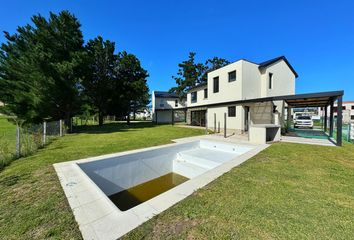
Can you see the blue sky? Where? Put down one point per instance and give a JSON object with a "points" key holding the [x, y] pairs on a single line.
{"points": [[317, 37]]}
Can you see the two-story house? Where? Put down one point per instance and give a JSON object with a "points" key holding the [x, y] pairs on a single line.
{"points": [[207, 103]]}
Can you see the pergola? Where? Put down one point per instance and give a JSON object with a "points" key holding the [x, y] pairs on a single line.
{"points": [[322, 99]]}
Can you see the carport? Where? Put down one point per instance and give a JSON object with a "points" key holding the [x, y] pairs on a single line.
{"points": [[323, 100]]}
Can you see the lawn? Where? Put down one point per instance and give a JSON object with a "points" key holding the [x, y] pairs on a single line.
{"points": [[288, 191], [33, 205], [7, 140]]}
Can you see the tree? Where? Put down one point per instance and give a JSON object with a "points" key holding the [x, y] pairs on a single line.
{"points": [[98, 83], [191, 73], [40, 68], [131, 80]]}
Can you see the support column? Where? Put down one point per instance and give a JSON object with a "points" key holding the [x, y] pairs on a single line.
{"points": [[224, 125], [339, 121], [155, 116], [206, 122], [331, 120], [288, 117], [325, 120], [173, 117]]}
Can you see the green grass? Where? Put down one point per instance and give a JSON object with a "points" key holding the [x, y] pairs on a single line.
{"points": [[7, 141], [32, 203], [288, 191]]}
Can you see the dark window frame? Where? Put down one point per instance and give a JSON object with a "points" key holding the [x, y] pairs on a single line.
{"points": [[176, 103], [231, 111], [229, 74], [216, 83], [194, 97], [205, 93], [270, 80]]}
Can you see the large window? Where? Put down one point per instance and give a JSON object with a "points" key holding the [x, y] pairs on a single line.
{"points": [[216, 84], [232, 111], [270, 84], [206, 93], [194, 97], [232, 76]]}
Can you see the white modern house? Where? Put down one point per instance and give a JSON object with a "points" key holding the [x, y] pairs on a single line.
{"points": [[348, 111], [240, 80], [242, 97]]}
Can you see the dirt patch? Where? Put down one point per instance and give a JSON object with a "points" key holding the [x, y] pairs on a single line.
{"points": [[173, 228]]}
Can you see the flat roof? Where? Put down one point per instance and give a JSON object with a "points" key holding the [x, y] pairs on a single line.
{"points": [[319, 99]]}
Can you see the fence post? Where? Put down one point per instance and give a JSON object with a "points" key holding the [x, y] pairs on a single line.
{"points": [[60, 128], [224, 125], [219, 127], [18, 141], [44, 132]]}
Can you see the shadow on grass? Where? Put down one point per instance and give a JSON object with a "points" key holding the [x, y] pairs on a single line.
{"points": [[113, 127]]}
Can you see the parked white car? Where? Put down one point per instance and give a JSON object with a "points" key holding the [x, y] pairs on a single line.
{"points": [[303, 122]]}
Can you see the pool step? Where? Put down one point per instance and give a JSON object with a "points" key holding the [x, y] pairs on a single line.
{"points": [[187, 169], [201, 162]]}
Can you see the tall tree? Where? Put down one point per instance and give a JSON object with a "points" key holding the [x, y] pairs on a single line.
{"points": [[131, 79], [40, 68], [191, 73], [98, 83]]}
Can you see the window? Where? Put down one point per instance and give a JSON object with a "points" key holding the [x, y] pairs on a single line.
{"points": [[344, 107], [270, 86], [353, 107], [206, 93], [216, 84], [232, 111], [176, 103], [352, 117], [162, 105], [232, 76], [194, 97]]}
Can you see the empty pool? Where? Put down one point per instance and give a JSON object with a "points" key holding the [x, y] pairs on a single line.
{"points": [[112, 194], [135, 178]]}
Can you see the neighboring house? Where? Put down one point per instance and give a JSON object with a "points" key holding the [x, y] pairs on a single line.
{"points": [[347, 109], [162, 105], [241, 80]]}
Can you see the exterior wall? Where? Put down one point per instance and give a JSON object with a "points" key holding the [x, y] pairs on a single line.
{"points": [[233, 124], [251, 81], [283, 80], [200, 97], [261, 113], [163, 116], [228, 91]]}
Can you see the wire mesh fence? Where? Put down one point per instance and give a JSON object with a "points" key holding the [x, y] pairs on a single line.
{"points": [[18, 140]]}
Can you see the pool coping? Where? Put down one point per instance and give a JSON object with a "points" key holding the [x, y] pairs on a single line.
{"points": [[99, 218]]}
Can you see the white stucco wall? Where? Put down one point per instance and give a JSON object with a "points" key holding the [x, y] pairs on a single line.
{"points": [[251, 81], [233, 124], [228, 91], [200, 97], [283, 80]]}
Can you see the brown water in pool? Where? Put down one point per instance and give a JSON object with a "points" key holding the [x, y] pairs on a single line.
{"points": [[132, 197]]}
